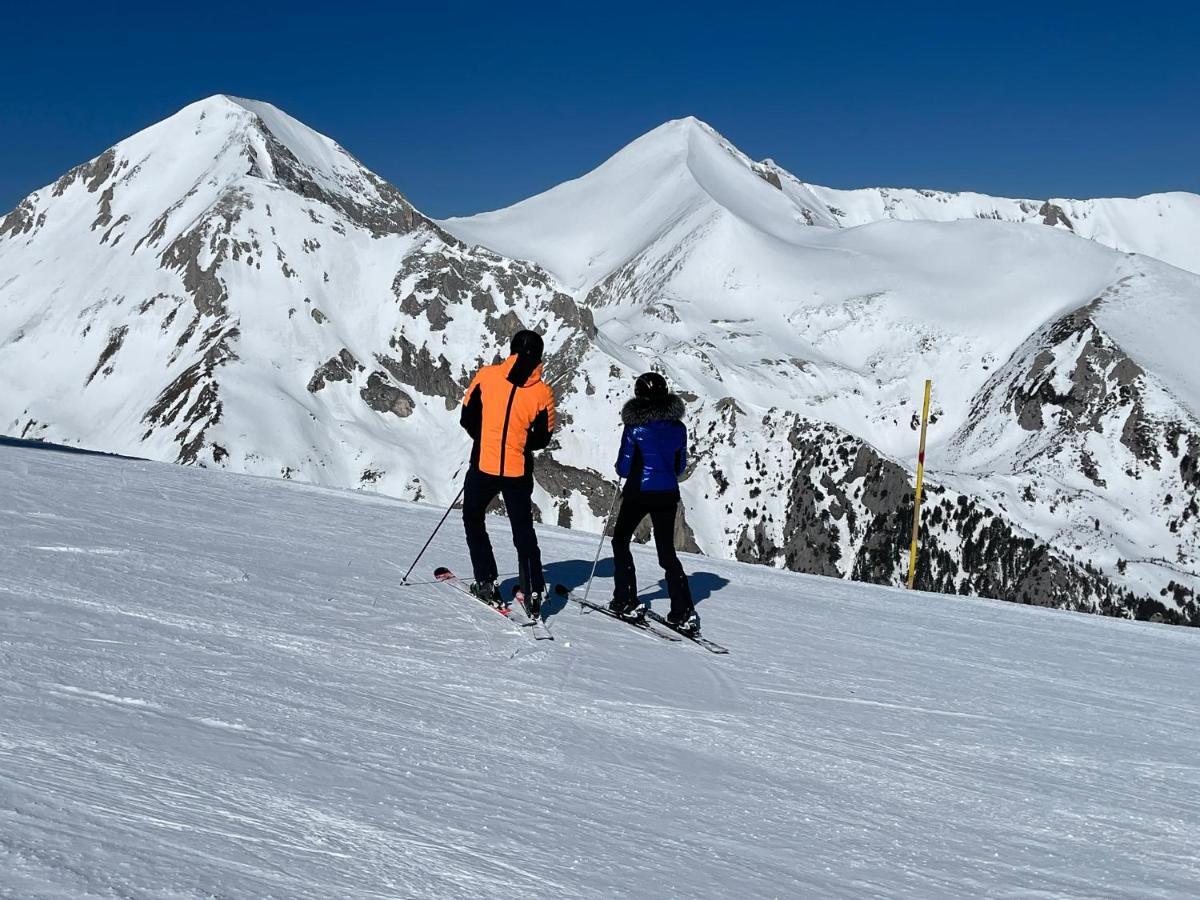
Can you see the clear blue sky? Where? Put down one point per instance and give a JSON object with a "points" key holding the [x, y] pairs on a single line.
{"points": [[468, 107]]}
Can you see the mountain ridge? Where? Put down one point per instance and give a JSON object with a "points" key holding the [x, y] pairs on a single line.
{"points": [[1105, 219]]}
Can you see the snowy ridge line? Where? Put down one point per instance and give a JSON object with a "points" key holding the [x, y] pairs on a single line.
{"points": [[1161, 225]]}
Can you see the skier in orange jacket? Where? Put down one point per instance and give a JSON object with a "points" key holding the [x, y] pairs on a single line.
{"points": [[509, 413]]}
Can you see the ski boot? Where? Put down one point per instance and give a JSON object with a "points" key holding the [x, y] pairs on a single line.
{"points": [[688, 623], [631, 609], [489, 593], [532, 604]]}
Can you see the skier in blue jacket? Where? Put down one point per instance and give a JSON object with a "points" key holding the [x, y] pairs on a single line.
{"points": [[653, 455]]}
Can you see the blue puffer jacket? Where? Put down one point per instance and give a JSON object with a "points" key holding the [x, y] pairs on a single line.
{"points": [[654, 446]]}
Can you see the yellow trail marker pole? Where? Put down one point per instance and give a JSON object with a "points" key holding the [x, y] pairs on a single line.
{"points": [[916, 528]]}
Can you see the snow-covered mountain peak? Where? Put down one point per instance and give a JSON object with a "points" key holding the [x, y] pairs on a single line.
{"points": [[260, 131], [586, 229], [215, 155], [675, 180], [678, 131], [790, 302], [683, 139], [323, 158]]}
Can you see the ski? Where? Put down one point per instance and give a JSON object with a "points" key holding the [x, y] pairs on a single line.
{"points": [[538, 627], [641, 625], [710, 646], [447, 577]]}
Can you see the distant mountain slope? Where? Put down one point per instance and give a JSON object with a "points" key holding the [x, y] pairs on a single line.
{"points": [[739, 280], [664, 174], [229, 288], [1165, 226]]}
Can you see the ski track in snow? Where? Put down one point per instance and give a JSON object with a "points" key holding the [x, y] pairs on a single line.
{"points": [[216, 687]]}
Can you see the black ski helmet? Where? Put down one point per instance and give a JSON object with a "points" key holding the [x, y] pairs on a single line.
{"points": [[650, 386], [527, 345]]}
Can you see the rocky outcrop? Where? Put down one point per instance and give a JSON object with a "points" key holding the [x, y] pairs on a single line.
{"points": [[115, 338], [1086, 408], [384, 397], [561, 482], [337, 368], [21, 220], [848, 514], [1052, 214], [212, 237], [417, 368], [192, 401], [1100, 378], [770, 176], [93, 174]]}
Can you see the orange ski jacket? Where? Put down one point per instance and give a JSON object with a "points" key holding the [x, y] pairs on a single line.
{"points": [[507, 421]]}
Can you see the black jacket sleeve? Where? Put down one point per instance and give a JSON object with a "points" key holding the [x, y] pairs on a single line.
{"points": [[471, 418], [539, 434]]}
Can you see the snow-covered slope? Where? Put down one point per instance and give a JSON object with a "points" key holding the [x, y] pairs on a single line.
{"points": [[584, 229], [658, 190], [1165, 226], [229, 288], [223, 691]]}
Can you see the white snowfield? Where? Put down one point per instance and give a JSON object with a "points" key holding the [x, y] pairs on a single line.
{"points": [[215, 686], [584, 229]]}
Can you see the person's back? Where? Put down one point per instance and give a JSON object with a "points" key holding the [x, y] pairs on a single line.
{"points": [[653, 455], [509, 413], [654, 446]]}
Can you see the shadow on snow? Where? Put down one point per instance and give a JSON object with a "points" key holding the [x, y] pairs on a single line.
{"points": [[26, 444], [573, 574]]}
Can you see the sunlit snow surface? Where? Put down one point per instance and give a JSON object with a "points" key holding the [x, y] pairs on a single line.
{"points": [[214, 686]]}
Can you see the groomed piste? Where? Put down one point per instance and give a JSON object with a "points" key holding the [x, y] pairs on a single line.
{"points": [[214, 685]]}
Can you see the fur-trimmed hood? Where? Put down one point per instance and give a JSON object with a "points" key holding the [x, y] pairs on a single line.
{"points": [[643, 410]]}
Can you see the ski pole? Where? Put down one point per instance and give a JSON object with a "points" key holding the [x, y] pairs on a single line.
{"points": [[445, 516], [603, 533]]}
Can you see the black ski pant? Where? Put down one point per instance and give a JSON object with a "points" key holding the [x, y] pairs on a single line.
{"points": [[481, 489], [660, 506]]}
